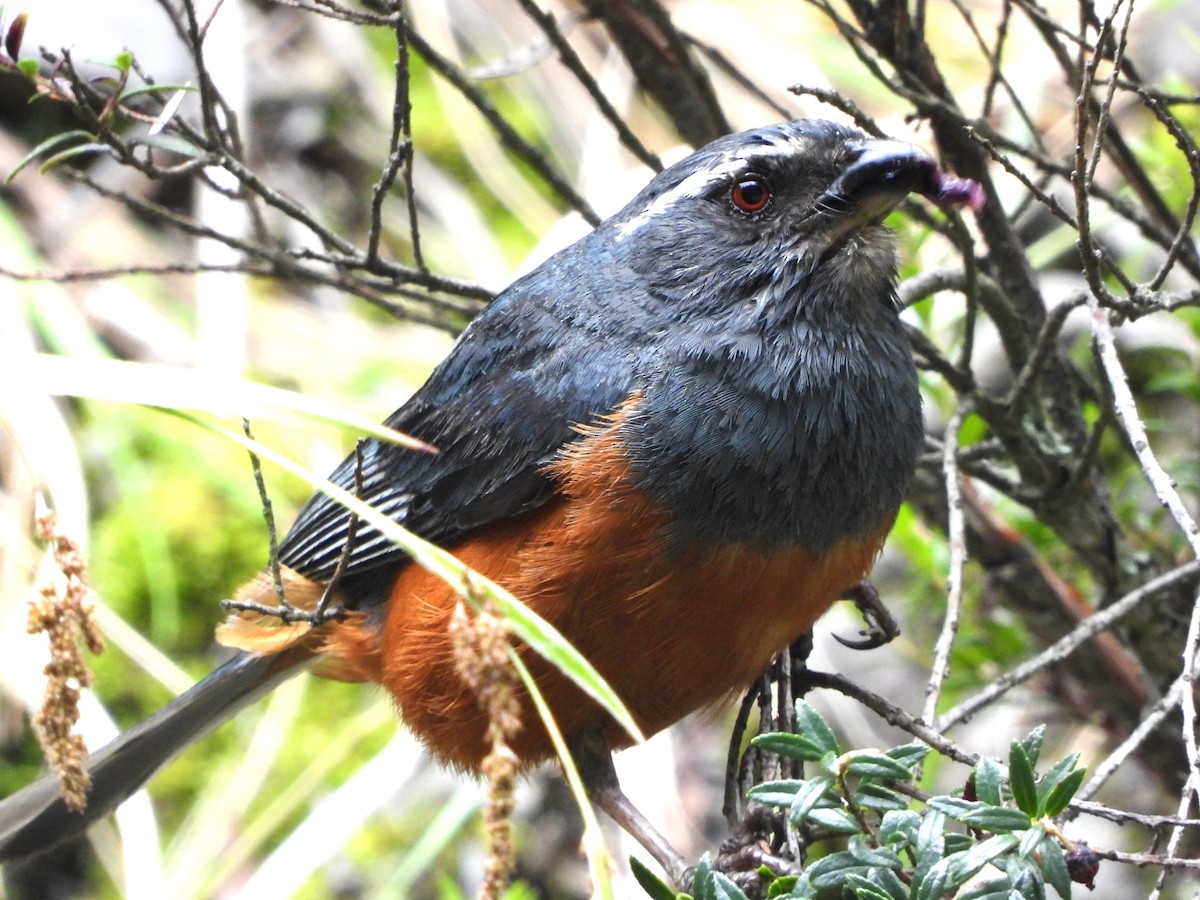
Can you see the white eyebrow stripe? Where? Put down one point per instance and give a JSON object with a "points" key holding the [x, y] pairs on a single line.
{"points": [[697, 183], [690, 188]]}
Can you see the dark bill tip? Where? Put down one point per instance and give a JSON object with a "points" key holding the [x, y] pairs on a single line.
{"points": [[894, 168]]}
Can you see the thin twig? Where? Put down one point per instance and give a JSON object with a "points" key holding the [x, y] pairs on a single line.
{"points": [[268, 513], [956, 535], [1065, 646]]}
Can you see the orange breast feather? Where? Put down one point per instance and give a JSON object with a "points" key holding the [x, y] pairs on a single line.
{"points": [[671, 631]]}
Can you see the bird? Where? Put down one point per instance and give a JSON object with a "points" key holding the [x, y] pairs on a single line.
{"points": [[679, 440]]}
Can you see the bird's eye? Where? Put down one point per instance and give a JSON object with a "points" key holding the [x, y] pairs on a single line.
{"points": [[750, 194]]}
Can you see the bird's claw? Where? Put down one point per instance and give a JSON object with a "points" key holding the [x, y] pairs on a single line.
{"points": [[882, 627]]}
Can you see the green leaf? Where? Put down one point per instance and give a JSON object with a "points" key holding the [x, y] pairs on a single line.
{"points": [[831, 871], [811, 725], [1032, 745], [931, 842], [1054, 777], [654, 886], [1026, 878], [785, 884], [890, 882], [723, 888], [877, 765], [1030, 840], [998, 819], [988, 778], [168, 142], [46, 146], [1059, 797], [835, 820], [808, 796], [865, 889], [793, 746], [936, 881], [155, 89], [791, 888], [909, 755], [861, 849], [879, 798], [123, 61], [985, 851], [70, 153], [958, 843], [996, 889], [898, 828], [702, 879], [28, 67], [955, 807], [1020, 779], [776, 793], [1053, 863]]}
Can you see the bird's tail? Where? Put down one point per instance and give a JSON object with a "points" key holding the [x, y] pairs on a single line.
{"points": [[36, 818]]}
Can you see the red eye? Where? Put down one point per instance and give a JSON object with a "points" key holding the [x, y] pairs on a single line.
{"points": [[751, 194]]}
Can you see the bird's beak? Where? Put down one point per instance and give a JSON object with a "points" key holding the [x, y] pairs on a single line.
{"points": [[884, 172], [881, 174]]}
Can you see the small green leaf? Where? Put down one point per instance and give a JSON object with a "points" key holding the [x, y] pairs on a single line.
{"points": [[879, 798], [931, 841], [935, 882], [654, 886], [28, 67], [702, 879], [955, 807], [793, 746], [831, 762], [865, 889], [988, 778], [1020, 780], [811, 725], [1032, 745], [831, 871], [909, 755], [1030, 840], [776, 793], [798, 889], [1026, 878], [155, 89], [1053, 863], [958, 843], [898, 828], [46, 146], [1052, 778], [877, 765], [782, 885], [861, 849], [808, 796], [996, 889], [723, 888], [1060, 795], [998, 819], [834, 819], [985, 851], [123, 61], [891, 883], [70, 153], [168, 142]]}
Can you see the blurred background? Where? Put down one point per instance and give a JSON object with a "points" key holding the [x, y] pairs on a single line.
{"points": [[274, 256]]}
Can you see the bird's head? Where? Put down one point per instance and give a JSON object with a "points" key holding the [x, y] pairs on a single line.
{"points": [[777, 208]]}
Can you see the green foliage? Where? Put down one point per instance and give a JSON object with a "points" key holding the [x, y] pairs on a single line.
{"points": [[889, 850]]}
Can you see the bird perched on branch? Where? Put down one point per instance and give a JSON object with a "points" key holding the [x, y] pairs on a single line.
{"points": [[679, 441]]}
